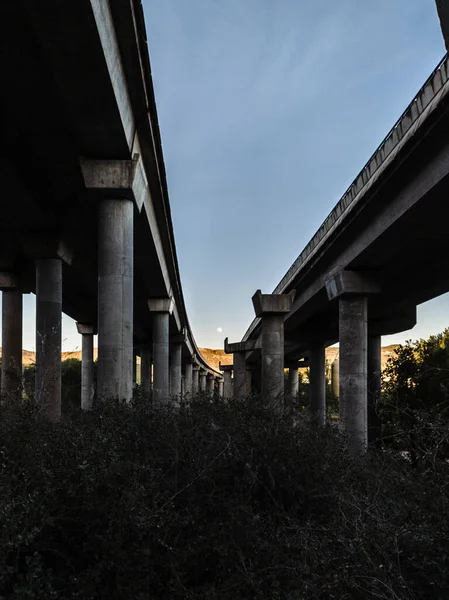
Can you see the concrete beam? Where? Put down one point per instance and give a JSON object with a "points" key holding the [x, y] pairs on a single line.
{"points": [[350, 282], [246, 346]]}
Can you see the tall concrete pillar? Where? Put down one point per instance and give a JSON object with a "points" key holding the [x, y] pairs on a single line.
{"points": [[115, 299], [291, 396], [227, 380], [353, 315], [87, 365], [318, 384], [195, 379], [220, 388], [202, 381], [12, 385], [175, 368], [374, 387], [48, 335], [161, 308], [134, 367], [240, 375], [210, 384], [335, 377], [145, 369], [272, 308], [188, 378]]}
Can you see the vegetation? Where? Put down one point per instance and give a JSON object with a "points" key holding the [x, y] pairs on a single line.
{"points": [[213, 500], [414, 408]]}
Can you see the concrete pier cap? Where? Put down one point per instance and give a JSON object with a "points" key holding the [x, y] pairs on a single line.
{"points": [[272, 303]]}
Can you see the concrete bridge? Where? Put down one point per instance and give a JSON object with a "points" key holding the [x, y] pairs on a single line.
{"points": [[85, 221], [381, 251]]}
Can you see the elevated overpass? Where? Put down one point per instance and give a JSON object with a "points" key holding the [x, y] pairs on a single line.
{"points": [[85, 220], [381, 251]]}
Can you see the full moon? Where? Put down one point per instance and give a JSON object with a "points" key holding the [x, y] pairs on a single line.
{"points": [[219, 329]]}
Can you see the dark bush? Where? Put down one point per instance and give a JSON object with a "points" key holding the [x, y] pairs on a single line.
{"points": [[212, 501]]}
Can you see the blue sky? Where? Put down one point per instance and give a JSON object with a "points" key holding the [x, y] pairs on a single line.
{"points": [[268, 110]]}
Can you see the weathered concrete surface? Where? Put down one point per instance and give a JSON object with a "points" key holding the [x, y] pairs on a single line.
{"points": [[145, 369], [353, 324], [227, 380], [87, 365], [175, 368], [210, 383], [202, 376], [272, 308], [115, 299], [188, 378], [220, 388], [48, 335], [161, 373], [195, 379], [12, 308], [374, 386], [240, 375], [335, 377], [318, 384], [291, 396]]}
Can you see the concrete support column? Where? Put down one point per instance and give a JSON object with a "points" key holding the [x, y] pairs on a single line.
{"points": [[227, 380], [272, 308], [335, 377], [240, 377], [115, 299], [318, 384], [353, 315], [145, 369], [175, 369], [210, 384], [12, 308], [374, 387], [202, 380], [48, 335], [134, 367], [195, 379], [87, 365], [220, 388], [293, 388], [188, 378], [161, 375]]}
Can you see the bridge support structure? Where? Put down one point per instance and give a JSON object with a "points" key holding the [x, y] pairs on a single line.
{"points": [[227, 380], [12, 329], [195, 379], [145, 369], [161, 308], [220, 387], [175, 368], [272, 308], [352, 290], [317, 406], [188, 378], [291, 394], [87, 364], [202, 380], [48, 335], [374, 369], [210, 384]]}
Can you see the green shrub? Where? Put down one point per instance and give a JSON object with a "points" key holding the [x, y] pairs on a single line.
{"points": [[212, 501]]}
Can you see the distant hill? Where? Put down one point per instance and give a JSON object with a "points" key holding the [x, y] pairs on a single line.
{"points": [[214, 357], [211, 356]]}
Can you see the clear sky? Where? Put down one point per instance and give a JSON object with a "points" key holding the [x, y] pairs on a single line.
{"points": [[268, 110]]}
